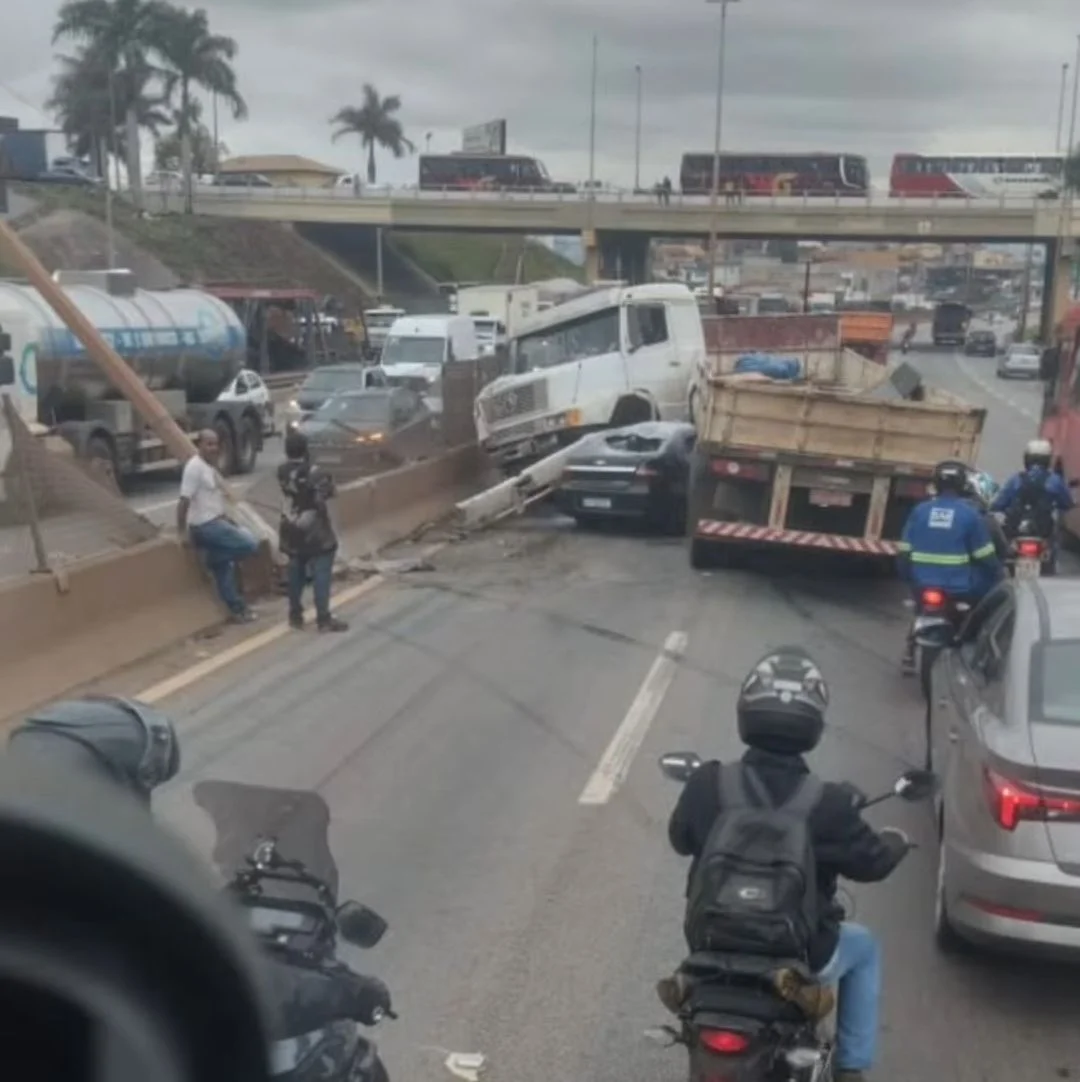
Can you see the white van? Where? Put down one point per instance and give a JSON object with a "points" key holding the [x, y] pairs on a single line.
{"points": [[421, 345], [605, 358]]}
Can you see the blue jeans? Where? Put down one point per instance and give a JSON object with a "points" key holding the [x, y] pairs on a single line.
{"points": [[321, 568], [856, 968], [224, 545]]}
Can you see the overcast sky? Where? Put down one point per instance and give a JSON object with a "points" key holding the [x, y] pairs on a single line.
{"points": [[869, 76]]}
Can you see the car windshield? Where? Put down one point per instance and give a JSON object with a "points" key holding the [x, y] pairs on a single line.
{"points": [[355, 407], [1025, 349], [417, 350], [1059, 663], [331, 381]]}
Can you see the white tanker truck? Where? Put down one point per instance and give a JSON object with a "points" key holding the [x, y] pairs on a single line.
{"points": [[186, 345]]}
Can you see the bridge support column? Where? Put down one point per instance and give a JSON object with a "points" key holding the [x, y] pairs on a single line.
{"points": [[591, 244], [616, 255], [1061, 260]]}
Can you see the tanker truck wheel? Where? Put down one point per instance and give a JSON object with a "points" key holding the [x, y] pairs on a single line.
{"points": [[101, 462], [226, 448]]}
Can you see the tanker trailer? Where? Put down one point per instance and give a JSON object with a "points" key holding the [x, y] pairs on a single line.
{"points": [[186, 345]]}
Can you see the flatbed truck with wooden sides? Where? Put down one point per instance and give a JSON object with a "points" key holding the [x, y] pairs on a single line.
{"points": [[832, 460]]}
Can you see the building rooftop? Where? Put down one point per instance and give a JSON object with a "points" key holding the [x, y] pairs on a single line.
{"points": [[278, 163]]}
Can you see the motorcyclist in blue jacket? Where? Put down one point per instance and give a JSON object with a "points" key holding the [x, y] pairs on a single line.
{"points": [[946, 543], [1036, 491]]}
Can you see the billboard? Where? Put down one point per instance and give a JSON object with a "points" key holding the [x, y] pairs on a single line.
{"points": [[489, 138]]}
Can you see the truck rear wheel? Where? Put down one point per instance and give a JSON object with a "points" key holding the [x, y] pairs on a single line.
{"points": [[226, 448], [703, 554], [247, 450], [100, 458]]}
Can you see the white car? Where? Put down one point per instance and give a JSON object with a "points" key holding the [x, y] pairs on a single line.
{"points": [[248, 386], [1022, 360]]}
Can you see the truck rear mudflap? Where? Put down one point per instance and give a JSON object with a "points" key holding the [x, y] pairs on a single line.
{"points": [[711, 529]]}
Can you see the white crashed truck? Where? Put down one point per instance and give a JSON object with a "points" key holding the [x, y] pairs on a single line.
{"points": [[832, 459]]}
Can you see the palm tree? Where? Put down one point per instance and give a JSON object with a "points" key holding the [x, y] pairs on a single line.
{"points": [[194, 57], [124, 34], [89, 105], [374, 122], [205, 157]]}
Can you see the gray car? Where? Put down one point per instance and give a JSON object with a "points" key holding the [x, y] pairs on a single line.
{"points": [[1005, 738], [1022, 360]]}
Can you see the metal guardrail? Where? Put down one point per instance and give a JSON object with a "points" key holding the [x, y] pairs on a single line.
{"points": [[727, 203]]}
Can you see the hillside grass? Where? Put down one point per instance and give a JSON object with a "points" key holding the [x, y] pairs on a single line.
{"points": [[205, 250], [483, 257]]}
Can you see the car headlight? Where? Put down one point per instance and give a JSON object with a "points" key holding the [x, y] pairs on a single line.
{"points": [[294, 405]]}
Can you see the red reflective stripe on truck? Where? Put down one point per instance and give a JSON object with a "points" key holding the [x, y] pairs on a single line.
{"points": [[742, 531]]}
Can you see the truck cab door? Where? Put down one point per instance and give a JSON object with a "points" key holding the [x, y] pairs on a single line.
{"points": [[653, 363]]}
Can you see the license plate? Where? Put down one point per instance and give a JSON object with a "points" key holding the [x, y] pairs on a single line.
{"points": [[1027, 569], [596, 503], [828, 497]]}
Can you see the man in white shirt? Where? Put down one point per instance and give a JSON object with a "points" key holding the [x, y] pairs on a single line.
{"points": [[201, 516]]}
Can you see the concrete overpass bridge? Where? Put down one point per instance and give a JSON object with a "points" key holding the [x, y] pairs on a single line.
{"points": [[617, 228]]}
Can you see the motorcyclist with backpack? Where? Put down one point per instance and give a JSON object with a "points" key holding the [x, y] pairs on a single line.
{"points": [[134, 746], [1036, 492], [722, 809]]}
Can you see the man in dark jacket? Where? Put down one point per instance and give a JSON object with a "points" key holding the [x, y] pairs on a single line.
{"points": [[781, 711], [306, 534]]}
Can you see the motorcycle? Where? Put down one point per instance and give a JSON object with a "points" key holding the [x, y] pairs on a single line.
{"points": [[273, 849], [732, 1022], [938, 617], [1030, 555]]}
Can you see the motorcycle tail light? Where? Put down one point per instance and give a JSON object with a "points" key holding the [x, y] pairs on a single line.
{"points": [[1029, 549], [724, 1042], [933, 599]]}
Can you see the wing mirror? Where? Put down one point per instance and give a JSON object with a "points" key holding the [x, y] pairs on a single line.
{"points": [[359, 925], [679, 765], [916, 785]]}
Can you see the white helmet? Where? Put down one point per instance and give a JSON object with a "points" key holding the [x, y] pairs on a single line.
{"points": [[1038, 453]]}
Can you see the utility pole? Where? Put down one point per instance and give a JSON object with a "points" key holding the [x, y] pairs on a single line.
{"points": [[718, 134], [637, 133], [592, 117]]}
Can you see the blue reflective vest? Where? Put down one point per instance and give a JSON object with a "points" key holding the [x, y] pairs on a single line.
{"points": [[946, 544]]}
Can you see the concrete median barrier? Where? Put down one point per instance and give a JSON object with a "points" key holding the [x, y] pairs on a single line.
{"points": [[61, 631], [100, 614]]}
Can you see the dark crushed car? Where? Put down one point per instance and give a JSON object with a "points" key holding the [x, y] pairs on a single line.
{"points": [[322, 383], [981, 344], [639, 472]]}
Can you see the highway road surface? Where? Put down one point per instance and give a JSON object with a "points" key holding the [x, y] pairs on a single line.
{"points": [[487, 734]]}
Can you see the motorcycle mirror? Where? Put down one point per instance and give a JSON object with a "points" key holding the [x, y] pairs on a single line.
{"points": [[915, 785], [679, 765], [665, 1036], [359, 925]]}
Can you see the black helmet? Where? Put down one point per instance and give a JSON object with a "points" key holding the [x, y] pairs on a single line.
{"points": [[782, 703], [119, 740], [1038, 453], [950, 476]]}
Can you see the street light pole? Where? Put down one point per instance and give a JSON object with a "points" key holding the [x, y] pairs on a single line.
{"points": [[592, 117], [1061, 107], [637, 133], [715, 195]]}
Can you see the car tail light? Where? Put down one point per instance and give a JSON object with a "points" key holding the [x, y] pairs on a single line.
{"points": [[724, 1042], [744, 471], [1012, 803], [647, 470], [1030, 550], [932, 599]]}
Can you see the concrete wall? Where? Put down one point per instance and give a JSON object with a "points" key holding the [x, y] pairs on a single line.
{"points": [[105, 613]]}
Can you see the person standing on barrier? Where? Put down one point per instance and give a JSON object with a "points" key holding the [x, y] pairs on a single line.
{"points": [[306, 534], [201, 519]]}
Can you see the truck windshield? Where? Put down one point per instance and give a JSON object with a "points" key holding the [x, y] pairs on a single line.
{"points": [[414, 351], [588, 336]]}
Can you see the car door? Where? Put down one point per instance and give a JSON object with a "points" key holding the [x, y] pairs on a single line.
{"points": [[977, 700], [652, 361]]}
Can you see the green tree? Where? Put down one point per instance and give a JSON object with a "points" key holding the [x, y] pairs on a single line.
{"points": [[90, 106], [124, 34], [205, 156], [195, 58], [375, 124]]}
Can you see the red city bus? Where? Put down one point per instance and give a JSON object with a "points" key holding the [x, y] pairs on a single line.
{"points": [[977, 176], [1061, 403], [777, 174]]}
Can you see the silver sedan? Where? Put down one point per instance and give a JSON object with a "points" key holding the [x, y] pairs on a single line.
{"points": [[1005, 739]]}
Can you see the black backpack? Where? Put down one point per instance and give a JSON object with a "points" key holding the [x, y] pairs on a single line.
{"points": [[1033, 504], [754, 890]]}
